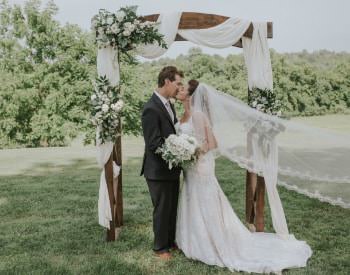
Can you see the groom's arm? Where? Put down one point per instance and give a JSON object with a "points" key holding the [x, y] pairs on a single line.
{"points": [[151, 131]]}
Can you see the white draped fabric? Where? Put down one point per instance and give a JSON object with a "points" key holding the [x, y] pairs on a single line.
{"points": [[221, 36], [107, 65], [168, 26], [257, 58]]}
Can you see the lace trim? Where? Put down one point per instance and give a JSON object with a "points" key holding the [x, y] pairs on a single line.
{"points": [[316, 195], [307, 175], [243, 163]]}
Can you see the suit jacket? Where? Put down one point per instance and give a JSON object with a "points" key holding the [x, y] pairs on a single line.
{"points": [[157, 126]]}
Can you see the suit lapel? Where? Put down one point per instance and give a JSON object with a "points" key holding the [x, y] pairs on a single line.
{"points": [[161, 106]]}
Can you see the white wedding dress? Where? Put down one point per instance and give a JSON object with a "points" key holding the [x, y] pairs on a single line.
{"points": [[208, 229]]}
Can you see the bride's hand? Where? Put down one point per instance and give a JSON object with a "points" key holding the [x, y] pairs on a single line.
{"points": [[204, 148]]}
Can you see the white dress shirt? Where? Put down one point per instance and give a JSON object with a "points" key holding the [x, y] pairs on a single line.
{"points": [[166, 103]]}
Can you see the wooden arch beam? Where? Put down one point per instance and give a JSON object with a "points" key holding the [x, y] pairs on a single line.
{"points": [[196, 20]]}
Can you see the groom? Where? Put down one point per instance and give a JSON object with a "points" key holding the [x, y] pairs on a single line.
{"points": [[158, 120]]}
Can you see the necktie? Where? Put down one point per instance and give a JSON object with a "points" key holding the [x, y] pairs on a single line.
{"points": [[167, 106]]}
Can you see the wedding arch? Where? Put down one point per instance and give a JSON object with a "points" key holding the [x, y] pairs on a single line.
{"points": [[209, 30]]}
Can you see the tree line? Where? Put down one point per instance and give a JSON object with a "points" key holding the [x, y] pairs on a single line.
{"points": [[47, 69]]}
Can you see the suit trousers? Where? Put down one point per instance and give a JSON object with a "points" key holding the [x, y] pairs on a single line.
{"points": [[164, 195]]}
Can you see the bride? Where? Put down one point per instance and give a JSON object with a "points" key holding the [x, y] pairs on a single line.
{"points": [[208, 229]]}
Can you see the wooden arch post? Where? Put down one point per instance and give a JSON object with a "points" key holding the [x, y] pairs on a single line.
{"points": [[255, 185]]}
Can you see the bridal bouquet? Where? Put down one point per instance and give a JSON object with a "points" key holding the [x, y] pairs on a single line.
{"points": [[179, 150]]}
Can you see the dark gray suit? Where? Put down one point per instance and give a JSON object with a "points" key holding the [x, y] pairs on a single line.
{"points": [[163, 183]]}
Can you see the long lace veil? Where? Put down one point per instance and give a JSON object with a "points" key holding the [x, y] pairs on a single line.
{"points": [[309, 160]]}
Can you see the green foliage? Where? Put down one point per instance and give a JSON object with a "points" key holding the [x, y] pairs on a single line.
{"points": [[46, 71]]}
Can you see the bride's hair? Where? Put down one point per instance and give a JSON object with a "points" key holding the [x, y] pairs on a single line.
{"points": [[192, 86]]}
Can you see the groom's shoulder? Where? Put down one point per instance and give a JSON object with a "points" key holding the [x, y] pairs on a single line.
{"points": [[149, 104]]}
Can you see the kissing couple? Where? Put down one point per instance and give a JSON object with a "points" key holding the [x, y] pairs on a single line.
{"points": [[198, 219]]}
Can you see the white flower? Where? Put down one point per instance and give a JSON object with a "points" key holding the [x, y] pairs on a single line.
{"points": [[120, 15], [254, 103], [93, 97], [118, 106], [279, 113], [93, 24], [100, 30], [260, 107], [98, 115], [110, 20], [105, 108], [115, 28], [126, 33], [120, 103], [131, 27]]}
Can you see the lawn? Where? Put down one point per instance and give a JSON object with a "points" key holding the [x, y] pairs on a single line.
{"points": [[48, 219]]}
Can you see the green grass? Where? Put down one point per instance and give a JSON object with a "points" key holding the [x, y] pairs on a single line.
{"points": [[48, 215], [48, 225]]}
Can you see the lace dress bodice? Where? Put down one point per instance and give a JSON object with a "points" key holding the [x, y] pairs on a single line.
{"points": [[205, 164]]}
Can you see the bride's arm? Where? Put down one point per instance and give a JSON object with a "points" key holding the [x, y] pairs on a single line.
{"points": [[204, 132], [210, 142]]}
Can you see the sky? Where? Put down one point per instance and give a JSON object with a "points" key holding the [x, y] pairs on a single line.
{"points": [[297, 24]]}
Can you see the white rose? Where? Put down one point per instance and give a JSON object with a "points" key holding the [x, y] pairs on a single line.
{"points": [[260, 107], [131, 27], [110, 20], [98, 115], [126, 33], [115, 28], [100, 30], [120, 104], [93, 24], [105, 108], [120, 15]]}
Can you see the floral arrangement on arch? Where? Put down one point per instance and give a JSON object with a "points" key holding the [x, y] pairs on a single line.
{"points": [[265, 100], [124, 31], [107, 107]]}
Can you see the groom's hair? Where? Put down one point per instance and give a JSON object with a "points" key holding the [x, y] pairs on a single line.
{"points": [[168, 72]]}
